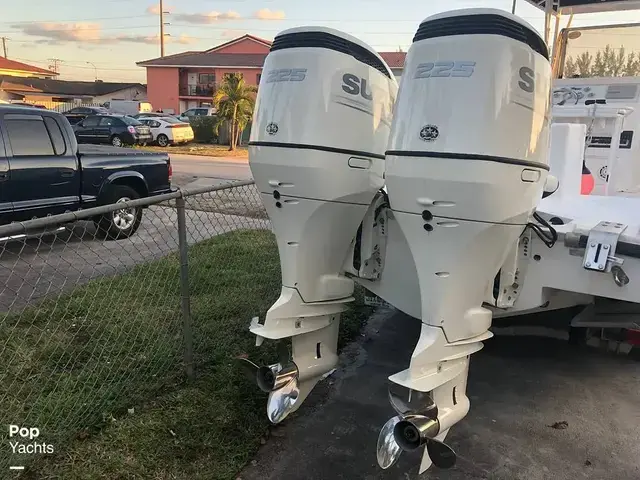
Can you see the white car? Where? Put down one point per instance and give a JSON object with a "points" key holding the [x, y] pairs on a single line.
{"points": [[168, 130]]}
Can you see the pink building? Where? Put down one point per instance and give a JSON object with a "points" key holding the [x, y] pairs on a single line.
{"points": [[186, 80]]}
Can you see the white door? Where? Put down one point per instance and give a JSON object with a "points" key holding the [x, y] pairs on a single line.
{"points": [[192, 78]]}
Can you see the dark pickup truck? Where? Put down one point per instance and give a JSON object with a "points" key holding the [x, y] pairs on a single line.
{"points": [[42, 173]]}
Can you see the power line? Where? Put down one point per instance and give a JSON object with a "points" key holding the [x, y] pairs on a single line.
{"points": [[69, 64], [55, 67], [88, 29], [27, 22]]}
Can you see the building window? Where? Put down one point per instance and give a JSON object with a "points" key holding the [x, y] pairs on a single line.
{"points": [[207, 78]]}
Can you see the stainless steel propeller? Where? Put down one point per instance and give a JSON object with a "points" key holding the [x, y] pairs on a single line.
{"points": [[279, 380], [416, 425]]}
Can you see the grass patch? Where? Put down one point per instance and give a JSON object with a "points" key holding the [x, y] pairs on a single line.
{"points": [[207, 150], [106, 387]]}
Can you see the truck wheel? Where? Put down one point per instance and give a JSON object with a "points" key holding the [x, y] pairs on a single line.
{"points": [[120, 223], [116, 141], [163, 140]]}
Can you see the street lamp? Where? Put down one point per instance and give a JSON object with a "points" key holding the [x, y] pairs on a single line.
{"points": [[95, 70]]}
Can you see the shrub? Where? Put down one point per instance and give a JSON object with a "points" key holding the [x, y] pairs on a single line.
{"points": [[203, 129]]}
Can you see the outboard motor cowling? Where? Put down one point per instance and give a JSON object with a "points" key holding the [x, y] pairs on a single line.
{"points": [[316, 152], [465, 168], [320, 130]]}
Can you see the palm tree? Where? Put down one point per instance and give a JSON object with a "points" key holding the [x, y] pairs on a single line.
{"points": [[234, 101]]}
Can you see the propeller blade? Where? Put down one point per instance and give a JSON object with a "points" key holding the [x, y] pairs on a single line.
{"points": [[441, 454], [249, 369], [388, 451], [411, 402], [282, 400]]}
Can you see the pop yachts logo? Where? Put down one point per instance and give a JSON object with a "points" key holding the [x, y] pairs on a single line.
{"points": [[23, 441]]}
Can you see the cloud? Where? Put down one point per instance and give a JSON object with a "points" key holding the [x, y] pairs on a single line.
{"points": [[147, 39], [87, 34], [183, 40], [155, 9], [151, 39], [56, 33], [232, 33], [206, 18], [266, 14]]}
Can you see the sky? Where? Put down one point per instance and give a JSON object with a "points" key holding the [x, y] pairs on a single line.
{"points": [[105, 38]]}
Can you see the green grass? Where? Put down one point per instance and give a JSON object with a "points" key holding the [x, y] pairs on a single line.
{"points": [[106, 386]]}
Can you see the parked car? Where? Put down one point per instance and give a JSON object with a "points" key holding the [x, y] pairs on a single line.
{"points": [[43, 173], [168, 130], [77, 114], [197, 112], [118, 130], [137, 116]]}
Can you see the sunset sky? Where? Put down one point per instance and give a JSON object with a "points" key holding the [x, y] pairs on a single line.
{"points": [[114, 34]]}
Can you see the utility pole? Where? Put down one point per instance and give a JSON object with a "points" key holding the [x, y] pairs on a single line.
{"points": [[161, 29], [55, 64], [4, 46]]}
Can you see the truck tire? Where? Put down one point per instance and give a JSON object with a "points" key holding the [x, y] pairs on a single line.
{"points": [[120, 223], [116, 141], [163, 140]]}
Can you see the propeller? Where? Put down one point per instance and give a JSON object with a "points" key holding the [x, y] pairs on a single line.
{"points": [[415, 426], [279, 380]]}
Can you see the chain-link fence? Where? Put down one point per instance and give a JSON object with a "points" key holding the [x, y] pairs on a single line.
{"points": [[90, 326], [58, 106]]}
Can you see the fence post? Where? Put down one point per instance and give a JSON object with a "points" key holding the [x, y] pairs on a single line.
{"points": [[184, 287]]}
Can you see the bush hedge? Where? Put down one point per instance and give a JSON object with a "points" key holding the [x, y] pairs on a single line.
{"points": [[203, 131]]}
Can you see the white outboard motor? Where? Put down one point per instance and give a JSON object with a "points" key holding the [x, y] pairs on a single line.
{"points": [[320, 130], [466, 166]]}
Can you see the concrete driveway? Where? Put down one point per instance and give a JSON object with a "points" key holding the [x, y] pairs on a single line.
{"points": [[518, 386]]}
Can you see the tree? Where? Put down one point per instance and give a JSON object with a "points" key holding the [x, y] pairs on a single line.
{"points": [[234, 101], [607, 63]]}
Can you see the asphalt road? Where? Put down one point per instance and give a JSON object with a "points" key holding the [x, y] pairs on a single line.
{"points": [[192, 169], [39, 267], [519, 387], [208, 170]]}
